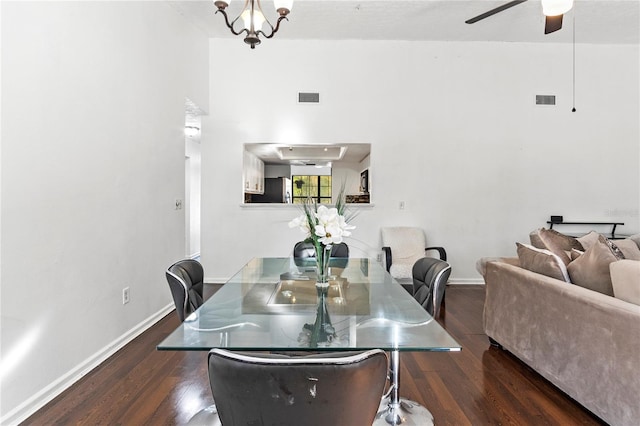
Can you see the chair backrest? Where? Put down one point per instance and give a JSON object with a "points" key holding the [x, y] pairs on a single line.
{"points": [[186, 281], [406, 243], [275, 389], [430, 277], [303, 249]]}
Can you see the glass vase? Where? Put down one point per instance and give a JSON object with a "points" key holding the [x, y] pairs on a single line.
{"points": [[323, 254], [322, 332]]}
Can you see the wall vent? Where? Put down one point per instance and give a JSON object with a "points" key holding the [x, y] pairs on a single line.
{"points": [[308, 97], [545, 99]]}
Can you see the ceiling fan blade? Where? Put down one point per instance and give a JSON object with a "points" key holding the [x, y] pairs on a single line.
{"points": [[552, 23], [494, 11]]}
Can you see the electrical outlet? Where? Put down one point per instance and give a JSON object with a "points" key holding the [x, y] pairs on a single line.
{"points": [[379, 257], [126, 297], [178, 204], [401, 205]]}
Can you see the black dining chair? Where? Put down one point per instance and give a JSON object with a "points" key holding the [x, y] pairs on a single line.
{"points": [[341, 388], [430, 277], [186, 281], [304, 249]]}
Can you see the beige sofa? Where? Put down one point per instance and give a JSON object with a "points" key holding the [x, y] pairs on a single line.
{"points": [[584, 342]]}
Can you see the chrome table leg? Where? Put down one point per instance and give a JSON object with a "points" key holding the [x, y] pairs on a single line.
{"points": [[400, 411]]}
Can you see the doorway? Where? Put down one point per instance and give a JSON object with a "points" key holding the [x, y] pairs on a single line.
{"points": [[192, 179]]}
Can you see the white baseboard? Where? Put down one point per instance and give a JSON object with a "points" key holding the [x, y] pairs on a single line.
{"points": [[40, 399]]}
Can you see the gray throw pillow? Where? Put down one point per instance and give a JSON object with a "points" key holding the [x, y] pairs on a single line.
{"points": [[591, 269], [542, 262], [628, 248]]}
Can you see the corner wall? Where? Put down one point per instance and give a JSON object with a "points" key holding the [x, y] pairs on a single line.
{"points": [[455, 134], [93, 159]]}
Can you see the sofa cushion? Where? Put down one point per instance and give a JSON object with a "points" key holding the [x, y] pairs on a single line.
{"points": [[588, 240], [628, 248], [542, 261], [591, 269], [575, 254], [636, 239], [535, 240], [555, 242], [625, 278]]}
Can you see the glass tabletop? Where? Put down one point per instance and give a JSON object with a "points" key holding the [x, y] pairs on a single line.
{"points": [[272, 304]]}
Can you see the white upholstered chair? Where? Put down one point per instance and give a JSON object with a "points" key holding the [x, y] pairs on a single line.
{"points": [[403, 246]]}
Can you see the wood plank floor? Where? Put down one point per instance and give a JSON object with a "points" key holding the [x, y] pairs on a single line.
{"points": [[480, 385]]}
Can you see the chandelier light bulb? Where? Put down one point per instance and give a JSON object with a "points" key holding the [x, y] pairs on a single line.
{"points": [[556, 7], [258, 19]]}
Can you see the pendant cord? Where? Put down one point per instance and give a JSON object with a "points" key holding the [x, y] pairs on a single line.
{"points": [[574, 62]]}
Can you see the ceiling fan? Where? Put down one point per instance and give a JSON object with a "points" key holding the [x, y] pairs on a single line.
{"points": [[552, 9]]}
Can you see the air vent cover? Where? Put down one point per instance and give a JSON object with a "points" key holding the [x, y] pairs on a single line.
{"points": [[308, 97], [545, 99]]}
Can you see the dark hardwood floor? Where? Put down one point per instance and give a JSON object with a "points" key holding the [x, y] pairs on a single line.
{"points": [[480, 385]]}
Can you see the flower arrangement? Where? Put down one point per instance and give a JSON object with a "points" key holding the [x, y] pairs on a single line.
{"points": [[323, 227]]}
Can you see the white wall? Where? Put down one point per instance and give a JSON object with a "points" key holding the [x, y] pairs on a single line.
{"points": [[455, 133], [193, 166], [93, 97]]}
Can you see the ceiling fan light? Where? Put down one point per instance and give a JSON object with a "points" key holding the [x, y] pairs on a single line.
{"points": [[556, 7]]}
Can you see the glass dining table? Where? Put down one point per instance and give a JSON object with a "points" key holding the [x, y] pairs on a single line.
{"points": [[273, 304]]}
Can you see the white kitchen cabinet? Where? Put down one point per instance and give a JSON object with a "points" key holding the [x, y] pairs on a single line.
{"points": [[253, 174]]}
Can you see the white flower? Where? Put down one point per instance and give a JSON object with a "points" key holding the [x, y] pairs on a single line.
{"points": [[345, 226], [302, 223], [331, 226], [322, 225]]}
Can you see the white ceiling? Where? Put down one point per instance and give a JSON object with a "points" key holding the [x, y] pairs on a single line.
{"points": [[596, 21]]}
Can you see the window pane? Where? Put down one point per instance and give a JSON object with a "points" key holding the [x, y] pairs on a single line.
{"points": [[316, 187]]}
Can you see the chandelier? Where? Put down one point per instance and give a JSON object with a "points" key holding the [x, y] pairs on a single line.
{"points": [[253, 19]]}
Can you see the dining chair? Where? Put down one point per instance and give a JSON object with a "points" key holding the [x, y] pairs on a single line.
{"points": [[430, 277], [186, 281], [402, 247], [340, 388], [304, 249]]}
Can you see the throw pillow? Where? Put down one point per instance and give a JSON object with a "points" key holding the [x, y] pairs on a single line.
{"points": [[542, 261], [589, 239], [636, 239], [625, 277], [575, 254], [558, 243], [534, 238], [565, 242], [591, 270], [628, 248]]}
